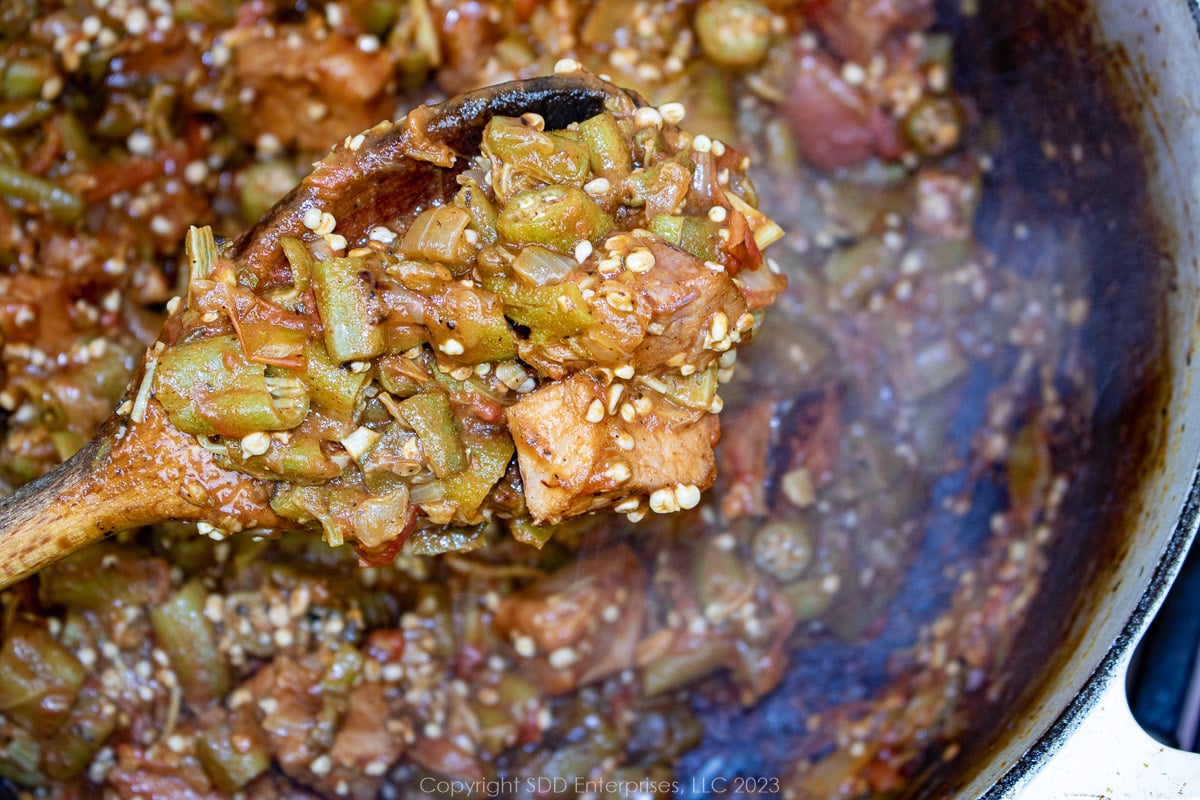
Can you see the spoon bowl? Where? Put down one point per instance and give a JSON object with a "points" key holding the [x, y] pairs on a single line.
{"points": [[137, 472]]}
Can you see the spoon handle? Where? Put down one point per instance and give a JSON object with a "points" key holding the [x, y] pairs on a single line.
{"points": [[54, 515]]}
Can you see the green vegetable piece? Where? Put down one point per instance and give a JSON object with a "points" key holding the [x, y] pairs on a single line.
{"points": [[199, 255], [734, 33], [608, 149], [681, 667], [18, 184], [103, 574], [474, 200], [233, 750], [550, 312], [188, 639], [300, 459], [556, 157], [468, 325], [208, 387], [332, 386], [526, 532], [300, 260], [401, 376], [428, 414], [25, 77], [699, 236], [660, 188], [348, 309], [39, 679], [344, 668], [386, 465], [304, 504], [557, 217], [489, 457], [80, 738], [20, 761], [435, 541]]}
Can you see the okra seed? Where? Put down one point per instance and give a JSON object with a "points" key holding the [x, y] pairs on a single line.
{"points": [[255, 444], [451, 347], [719, 327], [618, 472], [640, 260], [647, 117], [614, 397], [663, 501], [717, 213], [687, 495], [672, 112]]}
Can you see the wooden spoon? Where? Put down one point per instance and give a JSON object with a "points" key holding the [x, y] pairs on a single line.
{"points": [[138, 473]]}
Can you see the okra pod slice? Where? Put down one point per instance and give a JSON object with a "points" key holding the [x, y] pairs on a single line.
{"points": [[557, 217], [474, 200], [428, 414], [332, 386], [348, 308], [488, 457], [39, 678], [551, 312], [556, 157], [467, 325], [209, 387], [300, 260], [233, 750], [608, 149], [103, 574], [18, 184], [697, 235], [188, 638]]}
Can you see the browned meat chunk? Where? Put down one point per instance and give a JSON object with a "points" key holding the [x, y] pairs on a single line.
{"points": [[572, 464]]}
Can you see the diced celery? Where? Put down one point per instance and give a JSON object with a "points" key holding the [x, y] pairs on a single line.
{"points": [[347, 305], [558, 217], [428, 414], [188, 638], [332, 386], [209, 387], [39, 678], [607, 146]]}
